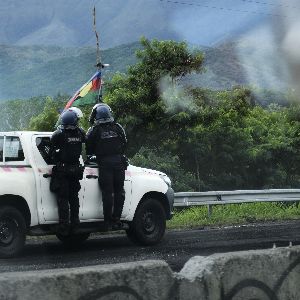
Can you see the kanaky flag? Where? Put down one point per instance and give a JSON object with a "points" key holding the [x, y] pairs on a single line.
{"points": [[88, 93]]}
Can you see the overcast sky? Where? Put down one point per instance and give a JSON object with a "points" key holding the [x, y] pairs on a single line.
{"points": [[69, 22]]}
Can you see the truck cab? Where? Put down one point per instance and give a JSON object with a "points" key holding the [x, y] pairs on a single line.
{"points": [[28, 207]]}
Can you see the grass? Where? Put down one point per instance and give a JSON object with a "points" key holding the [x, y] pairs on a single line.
{"points": [[233, 214]]}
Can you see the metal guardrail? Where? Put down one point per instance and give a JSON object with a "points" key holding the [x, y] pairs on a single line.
{"points": [[186, 199]]}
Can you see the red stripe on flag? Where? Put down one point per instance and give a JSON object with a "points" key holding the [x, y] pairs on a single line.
{"points": [[71, 101], [96, 83]]}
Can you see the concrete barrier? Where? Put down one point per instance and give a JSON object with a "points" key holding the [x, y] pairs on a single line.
{"points": [[266, 275], [132, 281]]}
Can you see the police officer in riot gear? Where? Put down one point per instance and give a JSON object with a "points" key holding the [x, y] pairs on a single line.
{"points": [[92, 117], [107, 140], [66, 144]]}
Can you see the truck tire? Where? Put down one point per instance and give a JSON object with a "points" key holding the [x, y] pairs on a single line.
{"points": [[73, 239], [149, 223], [12, 232]]}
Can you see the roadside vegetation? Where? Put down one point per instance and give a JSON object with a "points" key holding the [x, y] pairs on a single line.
{"points": [[232, 214]]}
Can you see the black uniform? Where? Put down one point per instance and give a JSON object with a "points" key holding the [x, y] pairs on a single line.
{"points": [[108, 141], [67, 147]]}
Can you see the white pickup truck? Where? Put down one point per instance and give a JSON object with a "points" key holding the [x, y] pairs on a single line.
{"points": [[27, 207]]}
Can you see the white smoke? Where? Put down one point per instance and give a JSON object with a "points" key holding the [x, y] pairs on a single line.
{"points": [[289, 40], [262, 59], [270, 53], [175, 97]]}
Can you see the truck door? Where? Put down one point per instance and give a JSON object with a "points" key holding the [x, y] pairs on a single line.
{"points": [[92, 205], [47, 204]]}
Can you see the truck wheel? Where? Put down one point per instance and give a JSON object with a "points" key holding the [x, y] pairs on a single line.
{"points": [[12, 232], [149, 223], [73, 239]]}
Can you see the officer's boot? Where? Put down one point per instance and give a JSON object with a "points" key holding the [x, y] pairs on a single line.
{"points": [[74, 220], [117, 209], [107, 212], [63, 213], [108, 223], [64, 227], [116, 223]]}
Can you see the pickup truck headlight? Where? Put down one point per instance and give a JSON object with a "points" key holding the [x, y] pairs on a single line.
{"points": [[166, 179]]}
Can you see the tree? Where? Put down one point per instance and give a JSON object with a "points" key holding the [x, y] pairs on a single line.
{"points": [[46, 120], [136, 98], [215, 146]]}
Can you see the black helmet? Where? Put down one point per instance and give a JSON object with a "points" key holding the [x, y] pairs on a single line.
{"points": [[103, 113], [69, 119]]}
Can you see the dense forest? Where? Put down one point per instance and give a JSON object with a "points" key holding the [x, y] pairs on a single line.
{"points": [[203, 139]]}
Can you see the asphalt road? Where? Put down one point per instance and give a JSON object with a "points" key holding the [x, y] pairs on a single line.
{"points": [[176, 248]]}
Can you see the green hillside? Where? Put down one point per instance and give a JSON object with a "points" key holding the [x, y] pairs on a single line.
{"points": [[38, 70], [46, 70]]}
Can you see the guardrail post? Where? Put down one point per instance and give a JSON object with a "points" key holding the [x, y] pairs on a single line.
{"points": [[209, 210]]}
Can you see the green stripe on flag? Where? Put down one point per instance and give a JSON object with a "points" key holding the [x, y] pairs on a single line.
{"points": [[89, 98]]}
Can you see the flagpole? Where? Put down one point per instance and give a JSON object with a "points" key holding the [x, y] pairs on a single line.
{"points": [[98, 57]]}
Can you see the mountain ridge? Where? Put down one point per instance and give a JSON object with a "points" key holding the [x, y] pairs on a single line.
{"points": [[69, 22]]}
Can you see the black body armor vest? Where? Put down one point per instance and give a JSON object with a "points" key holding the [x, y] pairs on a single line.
{"points": [[109, 140], [68, 145]]}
